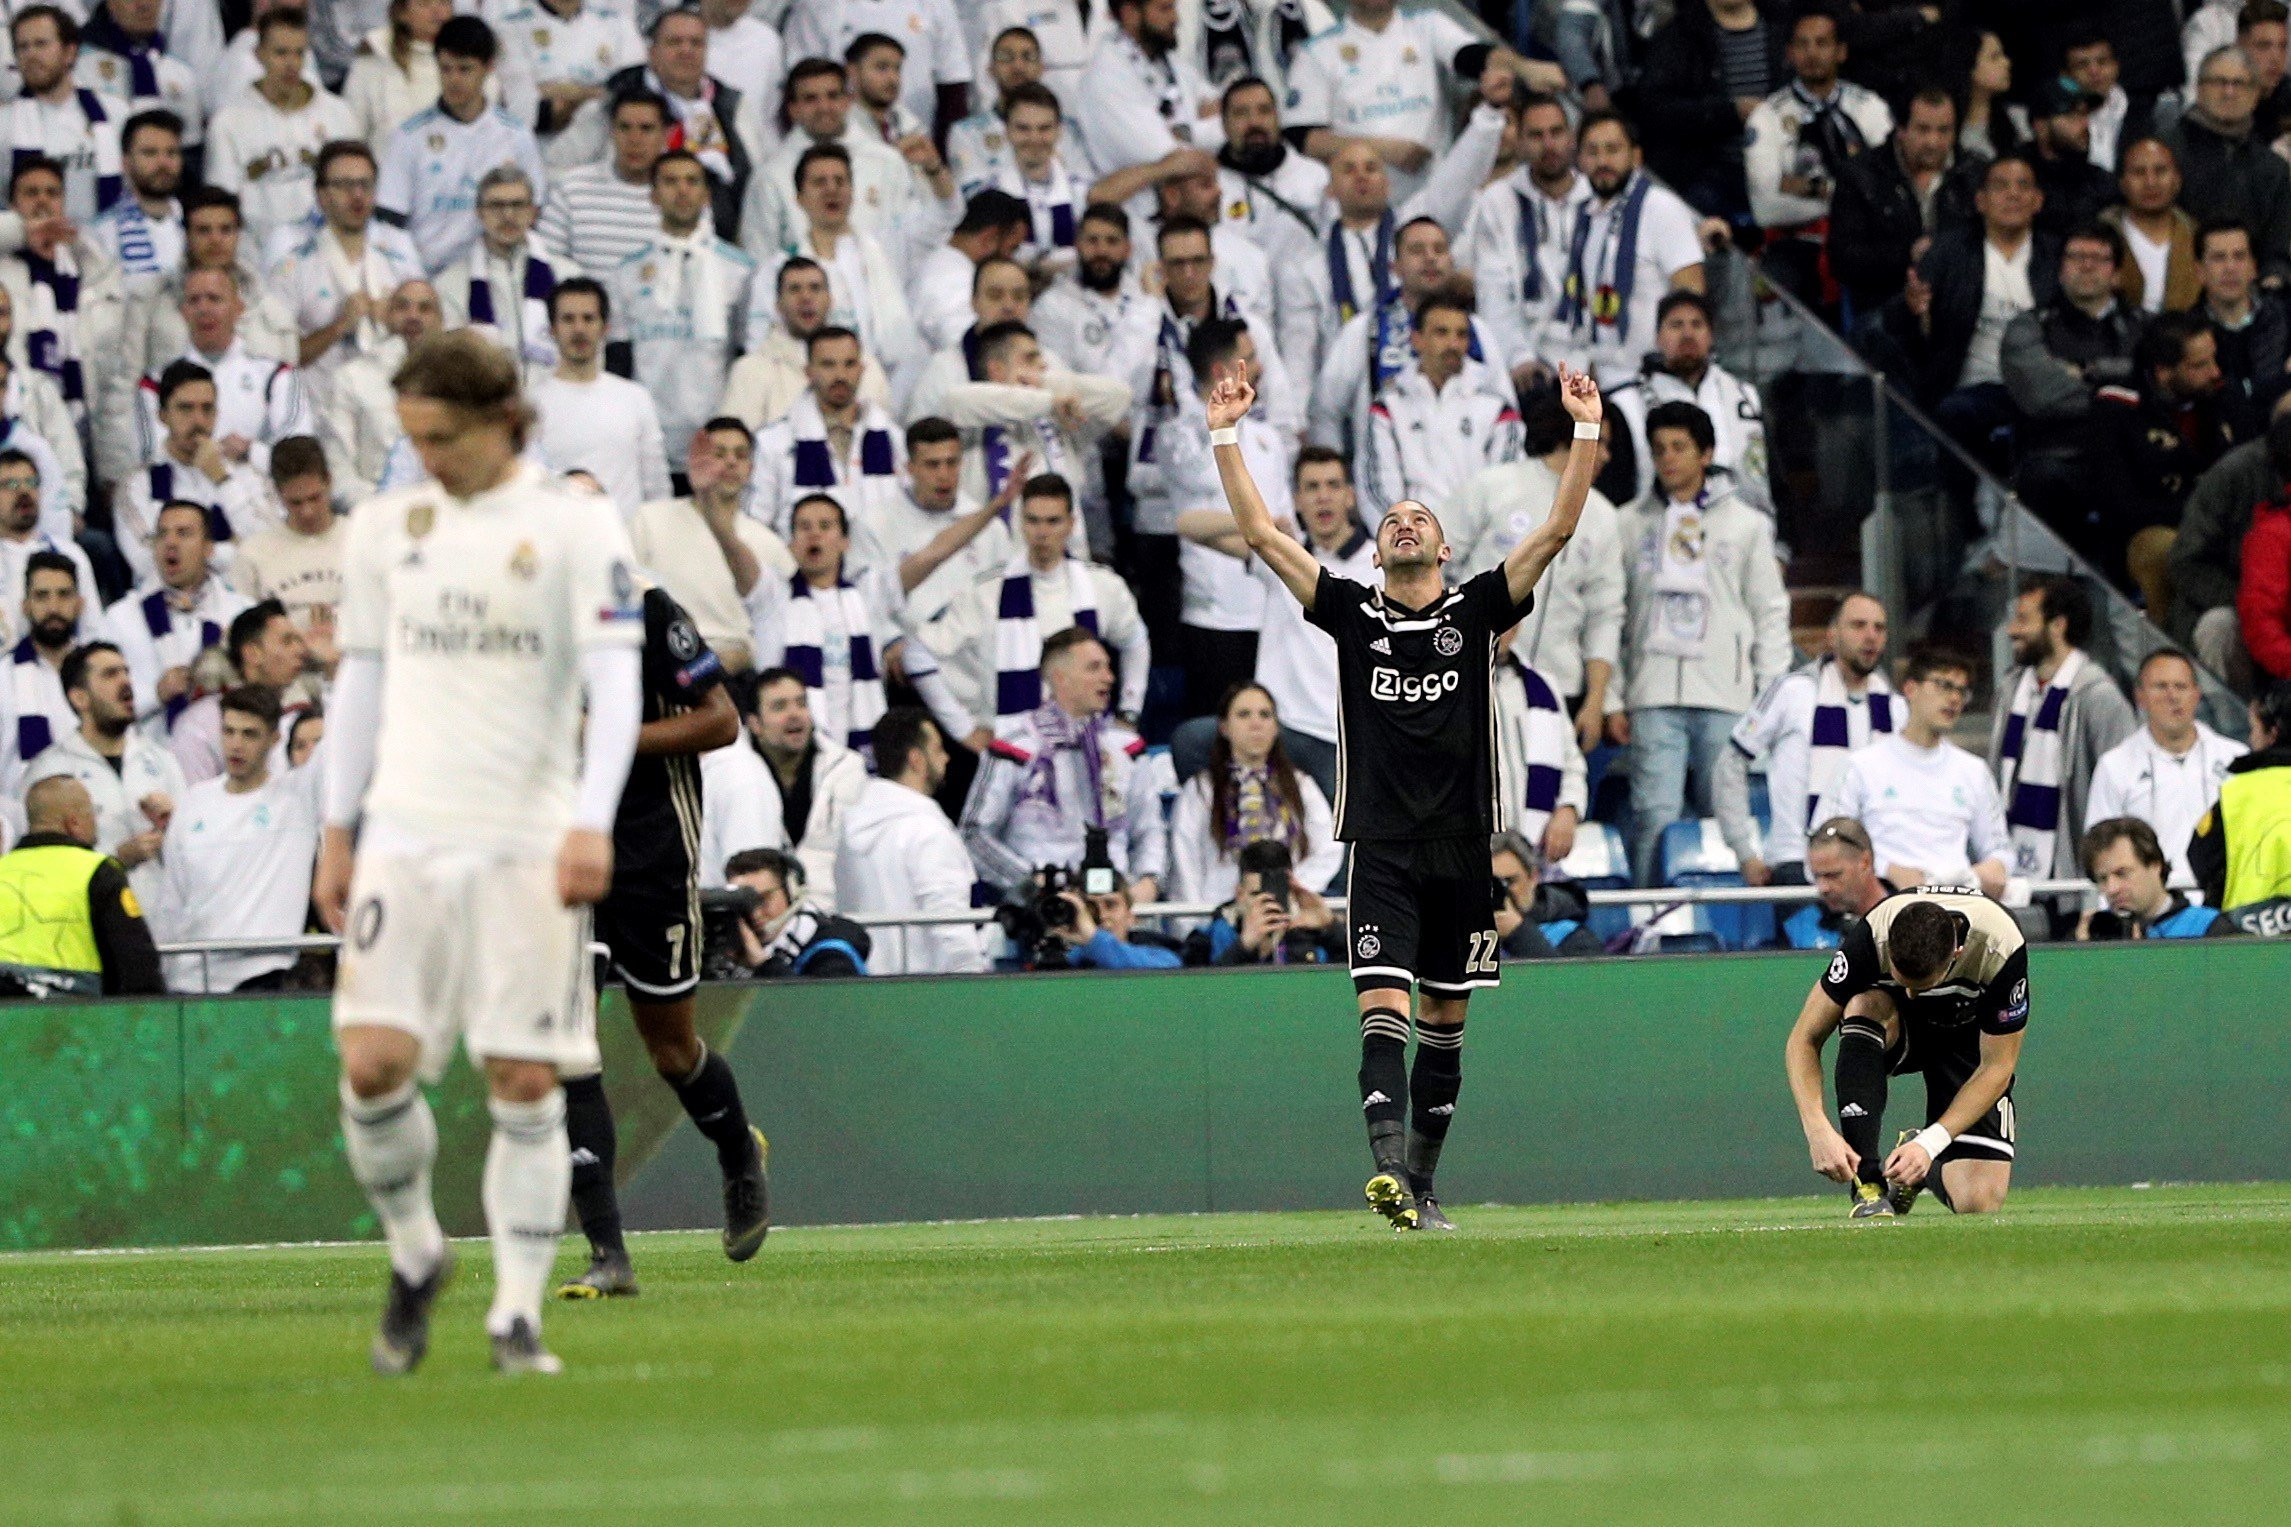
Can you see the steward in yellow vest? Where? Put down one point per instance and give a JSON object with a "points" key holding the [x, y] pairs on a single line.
{"points": [[2241, 851], [69, 925]]}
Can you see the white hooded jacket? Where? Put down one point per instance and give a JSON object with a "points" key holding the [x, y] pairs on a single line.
{"points": [[900, 854]]}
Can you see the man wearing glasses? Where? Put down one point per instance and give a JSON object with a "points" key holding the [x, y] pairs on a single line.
{"points": [[2230, 171], [502, 289], [436, 158], [1931, 809], [341, 273], [1842, 868]]}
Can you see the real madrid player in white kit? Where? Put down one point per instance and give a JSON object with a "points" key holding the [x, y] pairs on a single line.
{"points": [[477, 608], [1416, 781]]}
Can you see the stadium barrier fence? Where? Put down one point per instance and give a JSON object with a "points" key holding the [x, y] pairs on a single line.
{"points": [[212, 1120]]}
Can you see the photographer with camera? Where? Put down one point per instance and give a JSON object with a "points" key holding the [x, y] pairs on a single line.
{"points": [[1271, 920], [1095, 930], [762, 927], [1536, 919]]}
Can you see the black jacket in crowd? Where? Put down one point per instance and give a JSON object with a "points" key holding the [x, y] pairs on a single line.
{"points": [[1876, 220], [2207, 557], [2056, 357], [2075, 189], [2236, 179], [1693, 134], [2252, 358], [1956, 267], [2147, 452]]}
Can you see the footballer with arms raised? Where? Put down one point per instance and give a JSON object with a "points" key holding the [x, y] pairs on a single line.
{"points": [[1932, 980], [1416, 781], [479, 609]]}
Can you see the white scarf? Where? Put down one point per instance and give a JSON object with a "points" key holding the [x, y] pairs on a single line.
{"points": [[2029, 764], [1052, 200], [1533, 757], [1680, 623], [1018, 636], [27, 134], [806, 631], [700, 283], [370, 274], [1839, 727]]}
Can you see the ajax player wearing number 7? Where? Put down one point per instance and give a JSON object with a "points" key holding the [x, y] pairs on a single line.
{"points": [[477, 608], [1416, 782], [1933, 980]]}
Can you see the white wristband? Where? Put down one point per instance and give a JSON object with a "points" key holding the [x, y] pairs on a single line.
{"points": [[1229, 435], [1584, 431], [1933, 1140]]}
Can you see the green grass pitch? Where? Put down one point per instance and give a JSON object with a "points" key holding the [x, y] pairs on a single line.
{"points": [[2086, 1356]]}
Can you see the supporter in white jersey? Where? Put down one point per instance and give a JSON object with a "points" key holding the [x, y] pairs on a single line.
{"points": [[746, 52], [1798, 140], [1097, 316], [338, 275], [1185, 186], [1296, 660], [33, 710], [944, 296], [434, 160], [1516, 242], [785, 785], [1429, 429], [1059, 37], [599, 214], [1144, 99], [359, 426], [34, 420], [396, 71], [1268, 190], [1805, 726], [166, 621], [932, 506], [874, 63], [907, 205], [239, 66], [566, 50], [1573, 636], [1221, 607], [590, 420], [258, 400], [62, 288], [1930, 807], [124, 53], [238, 855], [706, 550], [2167, 773], [828, 442], [1020, 416], [1633, 241], [299, 562], [1039, 172], [132, 779], [764, 383], [143, 230], [1681, 369], [479, 607], [977, 146], [938, 71], [262, 649], [57, 116], [189, 466], [22, 491], [676, 304], [263, 140], [502, 287], [1386, 76], [862, 276]]}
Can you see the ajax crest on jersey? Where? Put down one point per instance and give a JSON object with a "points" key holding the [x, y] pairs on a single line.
{"points": [[1448, 641], [1370, 946]]}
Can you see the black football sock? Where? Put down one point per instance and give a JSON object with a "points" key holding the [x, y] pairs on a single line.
{"points": [[1432, 1089], [711, 1097], [1384, 1085], [589, 1132], [1861, 1093]]}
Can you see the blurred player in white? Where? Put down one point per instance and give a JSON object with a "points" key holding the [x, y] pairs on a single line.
{"points": [[477, 608]]}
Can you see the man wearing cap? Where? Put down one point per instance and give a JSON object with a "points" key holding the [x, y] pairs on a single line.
{"points": [[2075, 189]]}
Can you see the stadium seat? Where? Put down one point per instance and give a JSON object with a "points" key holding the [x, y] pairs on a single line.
{"points": [[1600, 862], [1694, 853]]}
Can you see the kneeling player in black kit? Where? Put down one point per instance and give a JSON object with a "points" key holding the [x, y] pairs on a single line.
{"points": [[650, 921], [1933, 980], [1416, 782]]}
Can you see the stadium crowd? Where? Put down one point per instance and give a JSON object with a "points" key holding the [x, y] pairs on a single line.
{"points": [[887, 324]]}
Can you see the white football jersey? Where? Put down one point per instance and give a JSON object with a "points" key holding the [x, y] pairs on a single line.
{"points": [[480, 610]]}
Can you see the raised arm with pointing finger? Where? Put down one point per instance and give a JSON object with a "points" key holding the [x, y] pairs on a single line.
{"points": [[1524, 564]]}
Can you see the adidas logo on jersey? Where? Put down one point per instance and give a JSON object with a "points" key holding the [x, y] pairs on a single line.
{"points": [[1853, 1111], [1373, 1099], [1381, 645]]}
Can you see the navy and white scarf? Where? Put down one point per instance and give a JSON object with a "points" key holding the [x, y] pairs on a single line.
{"points": [[1831, 741], [807, 631], [1384, 288], [1052, 202], [2029, 764], [1827, 137], [28, 688], [1018, 635], [1599, 286], [532, 309], [51, 324], [161, 481], [1232, 50], [865, 494], [1541, 766], [1171, 372], [996, 449], [104, 34], [28, 143], [1530, 248], [167, 640]]}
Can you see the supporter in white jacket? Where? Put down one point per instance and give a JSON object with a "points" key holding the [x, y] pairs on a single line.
{"points": [[1431, 428], [798, 766], [1682, 370], [899, 853]]}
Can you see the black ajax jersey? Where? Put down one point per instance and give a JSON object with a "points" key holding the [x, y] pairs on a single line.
{"points": [[1987, 984], [658, 827], [1416, 723]]}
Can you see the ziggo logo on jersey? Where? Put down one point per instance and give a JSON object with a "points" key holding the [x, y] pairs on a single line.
{"points": [[1391, 684]]}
